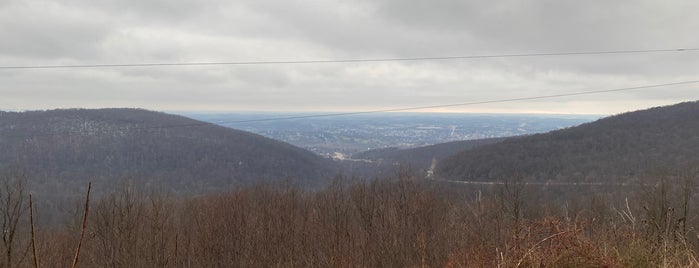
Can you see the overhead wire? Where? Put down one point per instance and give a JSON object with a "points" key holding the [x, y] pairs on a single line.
{"points": [[367, 60], [378, 60], [560, 95], [462, 104]]}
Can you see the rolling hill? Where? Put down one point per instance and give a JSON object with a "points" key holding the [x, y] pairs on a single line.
{"points": [[616, 148], [60, 148]]}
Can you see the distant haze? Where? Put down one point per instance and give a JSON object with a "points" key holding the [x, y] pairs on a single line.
{"points": [[350, 134], [51, 32]]}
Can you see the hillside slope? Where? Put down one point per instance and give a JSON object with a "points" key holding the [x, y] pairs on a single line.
{"points": [[60, 147], [421, 157], [619, 147]]}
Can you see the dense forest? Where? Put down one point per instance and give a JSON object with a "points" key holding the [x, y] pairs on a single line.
{"points": [[397, 221], [613, 149], [63, 148]]}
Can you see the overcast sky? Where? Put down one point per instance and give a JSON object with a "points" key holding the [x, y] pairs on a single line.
{"points": [[71, 32]]}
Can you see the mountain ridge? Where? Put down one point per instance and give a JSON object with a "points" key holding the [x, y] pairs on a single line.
{"points": [[102, 144], [616, 148]]}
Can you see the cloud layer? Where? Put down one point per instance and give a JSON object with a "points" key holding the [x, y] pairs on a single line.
{"points": [[110, 31]]}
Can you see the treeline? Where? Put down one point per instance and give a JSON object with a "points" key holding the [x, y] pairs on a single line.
{"points": [[400, 221]]}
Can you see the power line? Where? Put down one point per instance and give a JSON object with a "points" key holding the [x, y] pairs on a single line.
{"points": [[462, 104], [280, 62], [390, 110]]}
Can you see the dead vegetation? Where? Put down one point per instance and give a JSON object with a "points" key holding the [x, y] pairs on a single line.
{"points": [[394, 222]]}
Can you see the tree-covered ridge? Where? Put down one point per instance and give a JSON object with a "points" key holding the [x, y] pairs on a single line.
{"points": [[615, 148], [76, 145]]}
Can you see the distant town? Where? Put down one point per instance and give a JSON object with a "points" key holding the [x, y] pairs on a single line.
{"points": [[342, 136]]}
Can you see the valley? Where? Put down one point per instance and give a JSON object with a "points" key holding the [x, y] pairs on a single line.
{"points": [[351, 134], [212, 195]]}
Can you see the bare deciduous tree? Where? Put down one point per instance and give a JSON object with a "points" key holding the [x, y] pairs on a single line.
{"points": [[13, 208]]}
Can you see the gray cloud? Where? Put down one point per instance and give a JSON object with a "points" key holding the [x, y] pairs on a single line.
{"points": [[110, 31], [41, 31]]}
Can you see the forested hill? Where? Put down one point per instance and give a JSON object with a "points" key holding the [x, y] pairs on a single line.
{"points": [[421, 157], [60, 147], [617, 148]]}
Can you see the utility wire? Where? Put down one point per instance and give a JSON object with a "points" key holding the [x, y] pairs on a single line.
{"points": [[282, 62], [462, 104], [394, 110]]}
